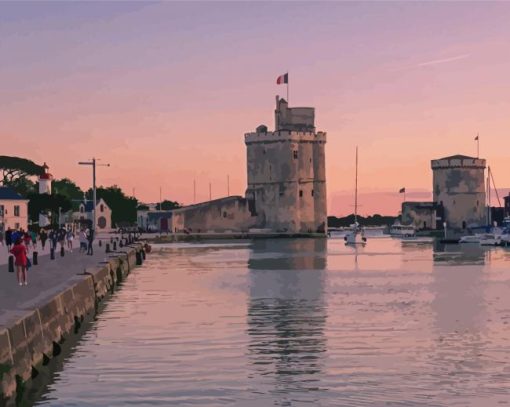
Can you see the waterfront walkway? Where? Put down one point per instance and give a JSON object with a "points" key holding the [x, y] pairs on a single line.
{"points": [[46, 279]]}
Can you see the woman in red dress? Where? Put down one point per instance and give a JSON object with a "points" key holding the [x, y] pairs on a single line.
{"points": [[20, 255]]}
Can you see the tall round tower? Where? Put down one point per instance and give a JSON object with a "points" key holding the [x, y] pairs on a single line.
{"points": [[286, 172], [459, 186], [45, 181], [45, 188]]}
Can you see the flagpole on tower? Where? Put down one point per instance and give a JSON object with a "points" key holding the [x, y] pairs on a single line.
{"points": [[288, 87], [477, 145]]}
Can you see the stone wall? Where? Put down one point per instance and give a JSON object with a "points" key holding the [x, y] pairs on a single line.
{"points": [[220, 215], [33, 337]]}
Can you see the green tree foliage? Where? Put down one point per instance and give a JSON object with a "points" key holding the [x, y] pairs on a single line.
{"points": [[15, 173], [23, 186], [43, 202], [67, 188], [123, 207], [15, 167], [167, 205], [374, 220]]}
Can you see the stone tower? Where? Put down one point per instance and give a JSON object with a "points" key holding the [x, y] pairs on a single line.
{"points": [[286, 172], [459, 185]]}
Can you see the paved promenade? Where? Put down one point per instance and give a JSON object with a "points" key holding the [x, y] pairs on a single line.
{"points": [[44, 280]]}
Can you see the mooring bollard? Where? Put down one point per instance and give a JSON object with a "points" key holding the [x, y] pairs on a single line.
{"points": [[114, 245], [52, 253], [107, 247], [11, 264], [34, 259], [62, 251]]}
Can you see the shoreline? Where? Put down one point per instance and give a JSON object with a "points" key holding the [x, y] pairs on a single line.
{"points": [[30, 338]]}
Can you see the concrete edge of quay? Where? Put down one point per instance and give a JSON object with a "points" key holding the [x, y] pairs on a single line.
{"points": [[194, 237], [31, 338]]}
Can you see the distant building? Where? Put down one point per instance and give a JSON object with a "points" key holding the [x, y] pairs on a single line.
{"points": [[422, 215], [13, 210], [459, 186], [103, 214], [286, 172], [44, 182], [507, 204], [154, 220], [286, 190]]}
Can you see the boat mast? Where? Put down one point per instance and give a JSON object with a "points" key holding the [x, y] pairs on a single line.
{"points": [[356, 192]]}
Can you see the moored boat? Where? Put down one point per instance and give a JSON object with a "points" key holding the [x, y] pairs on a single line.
{"points": [[398, 230]]}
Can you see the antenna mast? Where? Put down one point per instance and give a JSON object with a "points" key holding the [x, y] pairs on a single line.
{"points": [[356, 192]]}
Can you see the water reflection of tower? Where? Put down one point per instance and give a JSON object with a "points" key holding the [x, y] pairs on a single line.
{"points": [[460, 324], [287, 315]]}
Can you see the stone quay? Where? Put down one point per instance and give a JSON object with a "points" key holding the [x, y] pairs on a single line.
{"points": [[61, 294]]}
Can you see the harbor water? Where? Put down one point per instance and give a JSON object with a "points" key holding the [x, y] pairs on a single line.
{"points": [[299, 322]]}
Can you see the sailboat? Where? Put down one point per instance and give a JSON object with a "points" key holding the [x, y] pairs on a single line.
{"points": [[356, 235]]}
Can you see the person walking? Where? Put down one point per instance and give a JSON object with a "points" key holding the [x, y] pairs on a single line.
{"points": [[70, 238], [33, 236], [20, 255], [27, 240], [43, 236], [54, 239], [90, 240], [8, 238], [83, 241], [62, 233]]}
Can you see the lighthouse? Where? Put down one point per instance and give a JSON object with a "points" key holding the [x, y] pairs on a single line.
{"points": [[45, 188]]}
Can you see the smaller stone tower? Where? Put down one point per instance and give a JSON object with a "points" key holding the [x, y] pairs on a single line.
{"points": [[45, 188], [459, 186]]}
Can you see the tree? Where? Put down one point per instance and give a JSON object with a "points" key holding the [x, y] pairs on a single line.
{"points": [[123, 207], [44, 202], [167, 205], [16, 172], [14, 168], [67, 188], [23, 186]]}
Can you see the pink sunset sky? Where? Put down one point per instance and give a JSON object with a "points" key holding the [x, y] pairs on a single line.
{"points": [[164, 92]]}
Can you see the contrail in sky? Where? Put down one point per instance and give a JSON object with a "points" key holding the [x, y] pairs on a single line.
{"points": [[444, 60]]}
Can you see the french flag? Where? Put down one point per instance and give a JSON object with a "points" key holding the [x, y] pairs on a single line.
{"points": [[282, 79]]}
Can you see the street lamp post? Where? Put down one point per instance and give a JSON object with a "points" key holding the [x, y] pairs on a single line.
{"points": [[94, 197]]}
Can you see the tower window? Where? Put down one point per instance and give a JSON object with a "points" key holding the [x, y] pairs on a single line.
{"points": [[312, 192], [295, 154], [300, 193]]}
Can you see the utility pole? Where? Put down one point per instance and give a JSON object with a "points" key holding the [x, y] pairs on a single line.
{"points": [[94, 196]]}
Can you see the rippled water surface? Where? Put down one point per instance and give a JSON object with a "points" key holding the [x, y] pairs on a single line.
{"points": [[299, 323]]}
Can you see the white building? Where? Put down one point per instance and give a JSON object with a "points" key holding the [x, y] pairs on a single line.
{"points": [[45, 188], [103, 214], [13, 210]]}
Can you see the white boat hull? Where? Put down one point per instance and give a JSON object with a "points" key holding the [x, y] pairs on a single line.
{"points": [[355, 238]]}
